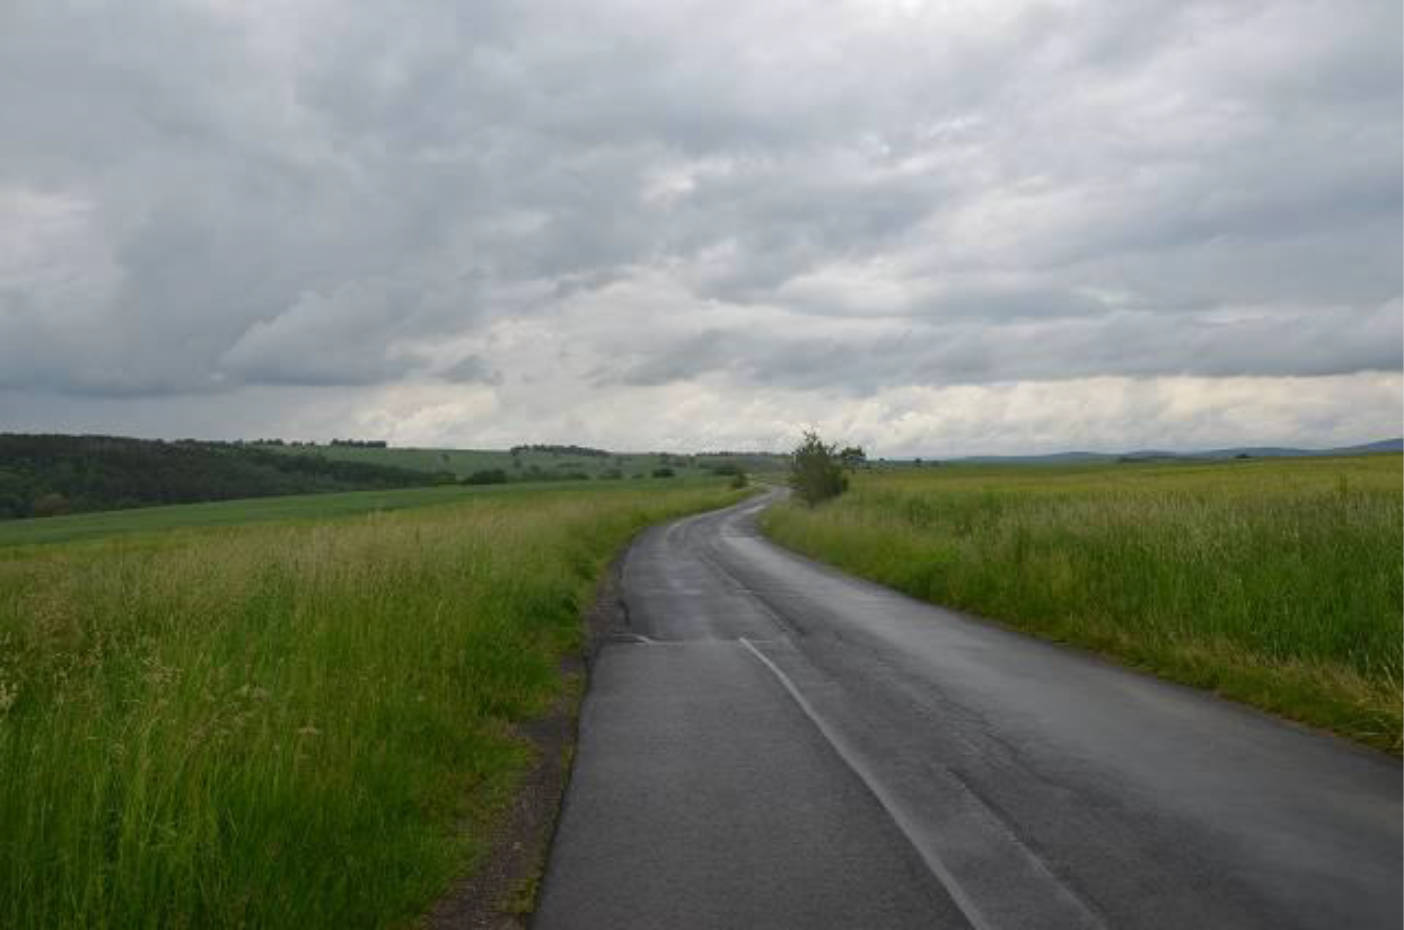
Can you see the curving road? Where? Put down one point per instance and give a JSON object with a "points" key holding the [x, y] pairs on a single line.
{"points": [[773, 744]]}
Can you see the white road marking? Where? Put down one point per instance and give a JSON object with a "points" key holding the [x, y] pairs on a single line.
{"points": [[895, 810]]}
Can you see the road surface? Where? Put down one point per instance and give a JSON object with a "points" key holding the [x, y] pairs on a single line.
{"points": [[770, 743]]}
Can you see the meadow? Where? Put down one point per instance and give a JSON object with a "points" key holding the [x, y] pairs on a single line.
{"points": [[1273, 582], [298, 723], [281, 509], [291, 508], [528, 463], [463, 462]]}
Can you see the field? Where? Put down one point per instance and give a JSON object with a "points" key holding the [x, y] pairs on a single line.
{"points": [[283, 509], [1277, 583], [529, 462], [301, 723], [463, 462], [290, 508]]}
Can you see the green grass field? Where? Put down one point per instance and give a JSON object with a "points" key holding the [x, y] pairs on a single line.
{"points": [[1274, 582], [301, 723], [463, 462], [288, 508], [284, 509]]}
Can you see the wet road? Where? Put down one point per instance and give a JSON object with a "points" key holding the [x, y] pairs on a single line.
{"points": [[771, 743]]}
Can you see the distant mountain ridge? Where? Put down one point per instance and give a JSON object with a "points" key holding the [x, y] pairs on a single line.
{"points": [[1262, 452]]}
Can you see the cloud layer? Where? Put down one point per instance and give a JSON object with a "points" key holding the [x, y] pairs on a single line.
{"points": [[693, 224]]}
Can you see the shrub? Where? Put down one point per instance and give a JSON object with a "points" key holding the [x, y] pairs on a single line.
{"points": [[487, 476], [51, 505], [663, 472], [816, 470]]}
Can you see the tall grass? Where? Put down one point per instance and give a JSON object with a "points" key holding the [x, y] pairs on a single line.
{"points": [[285, 726], [1274, 582]]}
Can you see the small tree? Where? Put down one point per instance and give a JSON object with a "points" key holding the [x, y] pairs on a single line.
{"points": [[487, 476], [816, 470]]}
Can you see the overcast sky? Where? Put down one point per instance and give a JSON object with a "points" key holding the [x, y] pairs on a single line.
{"points": [[932, 228]]}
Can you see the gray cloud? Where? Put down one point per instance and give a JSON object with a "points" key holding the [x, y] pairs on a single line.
{"points": [[198, 200], [471, 370], [1123, 343]]}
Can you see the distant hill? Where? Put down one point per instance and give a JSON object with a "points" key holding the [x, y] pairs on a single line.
{"points": [[42, 475], [1054, 458], [1268, 452], [1073, 458]]}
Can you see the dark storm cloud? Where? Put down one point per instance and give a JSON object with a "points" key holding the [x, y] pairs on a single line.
{"points": [[196, 198]]}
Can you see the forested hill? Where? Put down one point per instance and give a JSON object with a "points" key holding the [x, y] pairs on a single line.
{"points": [[42, 475]]}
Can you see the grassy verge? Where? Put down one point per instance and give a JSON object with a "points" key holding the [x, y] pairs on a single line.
{"points": [[1277, 583], [284, 725]]}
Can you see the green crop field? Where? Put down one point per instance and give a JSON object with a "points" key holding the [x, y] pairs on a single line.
{"points": [[300, 723], [528, 463], [463, 462], [1274, 582], [288, 508], [222, 513]]}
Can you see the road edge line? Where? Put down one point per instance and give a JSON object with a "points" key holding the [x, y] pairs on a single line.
{"points": [[929, 856]]}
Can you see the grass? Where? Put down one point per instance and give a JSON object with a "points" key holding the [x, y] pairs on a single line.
{"points": [[285, 724], [463, 462], [289, 508], [285, 509], [1273, 582]]}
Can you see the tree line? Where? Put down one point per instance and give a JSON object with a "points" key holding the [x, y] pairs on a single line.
{"points": [[561, 450], [47, 475]]}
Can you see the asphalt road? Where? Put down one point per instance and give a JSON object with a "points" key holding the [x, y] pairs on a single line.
{"points": [[773, 744]]}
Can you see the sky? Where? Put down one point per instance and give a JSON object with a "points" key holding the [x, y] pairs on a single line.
{"points": [[929, 228]]}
